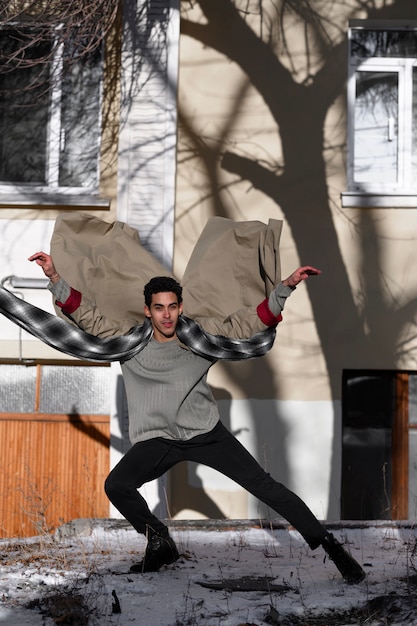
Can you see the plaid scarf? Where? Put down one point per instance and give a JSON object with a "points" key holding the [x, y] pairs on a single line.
{"points": [[69, 339]]}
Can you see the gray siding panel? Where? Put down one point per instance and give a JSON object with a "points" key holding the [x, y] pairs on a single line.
{"points": [[147, 145]]}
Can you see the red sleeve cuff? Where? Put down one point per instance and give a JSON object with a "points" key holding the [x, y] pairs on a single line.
{"points": [[72, 303], [266, 316]]}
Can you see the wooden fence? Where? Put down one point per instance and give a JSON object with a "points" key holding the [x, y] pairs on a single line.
{"points": [[52, 470]]}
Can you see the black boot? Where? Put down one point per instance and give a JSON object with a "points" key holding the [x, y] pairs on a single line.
{"points": [[345, 563], [161, 550]]}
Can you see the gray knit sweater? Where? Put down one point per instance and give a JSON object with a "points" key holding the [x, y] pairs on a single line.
{"points": [[167, 392]]}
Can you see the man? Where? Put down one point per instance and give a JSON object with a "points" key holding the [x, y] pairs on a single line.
{"points": [[173, 417]]}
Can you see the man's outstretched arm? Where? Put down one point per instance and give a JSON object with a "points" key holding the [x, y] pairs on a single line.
{"points": [[81, 310], [278, 296], [249, 320]]}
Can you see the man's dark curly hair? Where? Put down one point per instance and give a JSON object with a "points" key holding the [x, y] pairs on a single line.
{"points": [[160, 284]]}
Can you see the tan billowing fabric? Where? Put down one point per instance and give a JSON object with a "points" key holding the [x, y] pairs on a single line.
{"points": [[106, 262], [234, 266]]}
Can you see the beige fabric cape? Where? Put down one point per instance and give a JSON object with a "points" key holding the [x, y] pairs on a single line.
{"points": [[233, 267]]}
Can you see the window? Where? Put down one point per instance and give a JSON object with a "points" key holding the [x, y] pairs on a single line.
{"points": [[382, 114], [55, 389], [50, 121]]}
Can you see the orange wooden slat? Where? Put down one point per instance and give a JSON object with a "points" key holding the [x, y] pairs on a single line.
{"points": [[51, 471], [58, 417], [399, 505]]}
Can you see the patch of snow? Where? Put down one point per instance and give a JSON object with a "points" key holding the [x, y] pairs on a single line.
{"points": [[85, 576]]}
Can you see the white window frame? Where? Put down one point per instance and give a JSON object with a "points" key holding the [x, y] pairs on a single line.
{"points": [[401, 193], [51, 193]]}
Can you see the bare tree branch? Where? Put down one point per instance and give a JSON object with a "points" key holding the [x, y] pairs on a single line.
{"points": [[82, 24]]}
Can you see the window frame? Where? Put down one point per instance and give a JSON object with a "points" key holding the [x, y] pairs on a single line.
{"points": [[400, 193]]}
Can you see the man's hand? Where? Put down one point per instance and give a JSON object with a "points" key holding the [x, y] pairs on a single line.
{"points": [[46, 263], [302, 273]]}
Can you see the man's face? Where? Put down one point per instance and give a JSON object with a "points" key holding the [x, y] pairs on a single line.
{"points": [[163, 313]]}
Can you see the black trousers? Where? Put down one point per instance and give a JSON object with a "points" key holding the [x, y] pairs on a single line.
{"points": [[218, 449]]}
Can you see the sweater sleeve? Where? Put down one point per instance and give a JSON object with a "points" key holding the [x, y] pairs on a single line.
{"points": [[269, 310], [278, 297]]}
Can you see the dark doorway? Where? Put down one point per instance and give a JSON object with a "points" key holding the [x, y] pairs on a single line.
{"points": [[368, 410]]}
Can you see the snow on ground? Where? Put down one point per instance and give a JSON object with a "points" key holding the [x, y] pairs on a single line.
{"points": [[81, 576]]}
